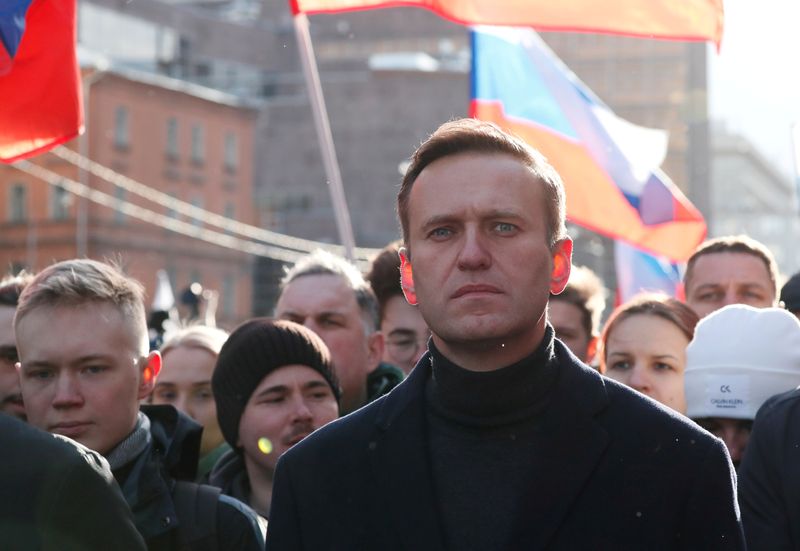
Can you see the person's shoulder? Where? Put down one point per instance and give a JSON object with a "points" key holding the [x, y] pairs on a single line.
{"points": [[780, 406], [31, 443], [240, 527], [635, 414]]}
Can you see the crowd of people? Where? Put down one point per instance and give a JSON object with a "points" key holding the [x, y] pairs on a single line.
{"points": [[462, 395]]}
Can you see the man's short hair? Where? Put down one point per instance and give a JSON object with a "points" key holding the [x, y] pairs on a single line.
{"points": [[11, 288], [474, 136], [81, 281], [734, 244], [321, 262], [585, 291], [384, 274]]}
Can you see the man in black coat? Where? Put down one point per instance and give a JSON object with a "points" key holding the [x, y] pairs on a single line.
{"points": [[500, 438], [56, 495], [770, 476]]}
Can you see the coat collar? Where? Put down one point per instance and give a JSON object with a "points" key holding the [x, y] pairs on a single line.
{"points": [[568, 435]]}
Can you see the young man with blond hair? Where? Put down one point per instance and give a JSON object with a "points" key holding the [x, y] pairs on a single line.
{"points": [[84, 368]]}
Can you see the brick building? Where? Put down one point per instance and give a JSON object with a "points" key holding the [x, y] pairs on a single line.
{"points": [[190, 142]]}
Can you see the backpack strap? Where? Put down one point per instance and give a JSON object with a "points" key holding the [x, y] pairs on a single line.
{"points": [[196, 509]]}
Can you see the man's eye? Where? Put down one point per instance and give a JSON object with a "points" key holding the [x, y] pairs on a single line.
{"points": [[289, 317], [42, 374], [402, 342], [661, 366], [440, 232], [621, 365], [204, 395], [272, 399], [505, 227], [94, 369]]}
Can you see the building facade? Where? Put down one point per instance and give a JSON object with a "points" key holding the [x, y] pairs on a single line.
{"points": [[194, 144]]}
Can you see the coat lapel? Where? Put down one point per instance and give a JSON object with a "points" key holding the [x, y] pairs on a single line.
{"points": [[400, 464], [569, 444]]}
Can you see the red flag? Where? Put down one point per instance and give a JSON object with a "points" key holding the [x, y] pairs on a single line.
{"points": [[40, 97], [673, 19]]}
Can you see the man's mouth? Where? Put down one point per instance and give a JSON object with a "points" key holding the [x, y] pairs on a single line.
{"points": [[69, 428], [475, 289]]}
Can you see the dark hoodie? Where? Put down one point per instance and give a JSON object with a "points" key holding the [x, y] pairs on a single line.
{"points": [[230, 475], [148, 482]]}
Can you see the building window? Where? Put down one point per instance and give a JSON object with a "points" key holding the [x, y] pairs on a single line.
{"points": [[18, 203], [119, 195], [59, 203], [172, 138], [171, 212], [230, 213], [121, 130], [230, 210], [198, 144], [197, 202], [231, 152]]}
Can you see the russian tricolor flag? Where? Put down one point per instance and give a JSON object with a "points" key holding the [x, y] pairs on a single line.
{"points": [[40, 97], [609, 166]]}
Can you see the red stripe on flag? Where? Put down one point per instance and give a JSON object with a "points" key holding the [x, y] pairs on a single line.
{"points": [[40, 98], [5, 61]]}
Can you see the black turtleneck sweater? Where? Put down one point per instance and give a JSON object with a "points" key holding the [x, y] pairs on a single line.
{"points": [[479, 424]]}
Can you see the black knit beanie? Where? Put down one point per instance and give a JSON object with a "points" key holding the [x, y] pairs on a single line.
{"points": [[790, 294], [254, 350]]}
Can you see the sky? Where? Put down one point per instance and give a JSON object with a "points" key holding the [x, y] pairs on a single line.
{"points": [[754, 82]]}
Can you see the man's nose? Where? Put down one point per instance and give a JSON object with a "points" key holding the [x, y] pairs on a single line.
{"points": [[68, 392], [730, 297], [474, 253], [300, 409]]}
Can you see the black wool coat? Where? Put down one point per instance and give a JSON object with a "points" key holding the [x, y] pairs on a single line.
{"points": [[617, 471], [769, 490], [56, 495]]}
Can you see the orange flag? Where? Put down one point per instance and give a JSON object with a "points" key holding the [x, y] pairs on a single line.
{"points": [[671, 19]]}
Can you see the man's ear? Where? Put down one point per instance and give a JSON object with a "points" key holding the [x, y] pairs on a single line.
{"points": [[407, 277], [562, 265], [150, 371], [375, 344]]}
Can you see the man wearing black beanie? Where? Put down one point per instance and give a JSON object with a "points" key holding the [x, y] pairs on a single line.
{"points": [[274, 385]]}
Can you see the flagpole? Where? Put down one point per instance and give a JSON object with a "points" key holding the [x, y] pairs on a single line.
{"points": [[796, 158], [322, 124]]}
